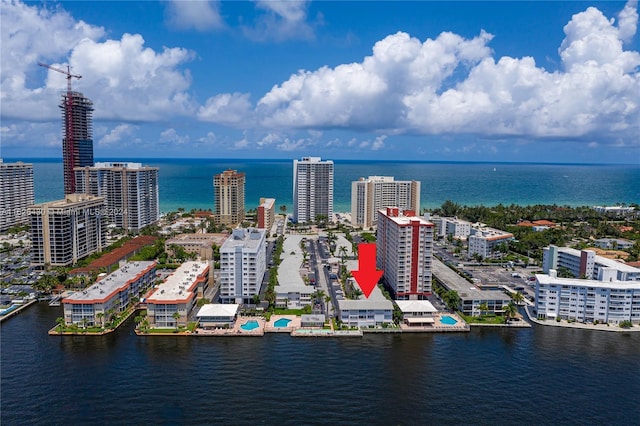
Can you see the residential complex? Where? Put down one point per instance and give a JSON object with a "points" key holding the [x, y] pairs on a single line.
{"points": [[65, 231], [471, 296], [292, 292], [199, 244], [16, 193], [130, 190], [587, 300], [484, 241], [77, 139], [404, 252], [457, 228], [229, 197], [266, 213], [377, 192], [366, 312], [242, 265], [171, 303], [111, 295], [586, 264], [312, 189]]}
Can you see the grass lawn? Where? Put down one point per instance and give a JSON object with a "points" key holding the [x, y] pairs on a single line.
{"points": [[484, 319]]}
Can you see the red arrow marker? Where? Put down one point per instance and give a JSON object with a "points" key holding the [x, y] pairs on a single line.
{"points": [[366, 276]]}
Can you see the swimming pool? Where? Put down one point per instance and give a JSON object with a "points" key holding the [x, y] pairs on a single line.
{"points": [[447, 320], [282, 322], [250, 325]]}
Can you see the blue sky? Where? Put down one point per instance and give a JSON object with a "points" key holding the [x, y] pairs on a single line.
{"points": [[454, 81]]}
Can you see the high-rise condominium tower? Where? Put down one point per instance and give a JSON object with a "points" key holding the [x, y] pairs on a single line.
{"points": [[77, 136], [312, 189], [377, 192], [130, 190], [16, 193], [229, 197]]}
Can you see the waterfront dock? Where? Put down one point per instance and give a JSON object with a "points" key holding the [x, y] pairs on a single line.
{"points": [[9, 313]]}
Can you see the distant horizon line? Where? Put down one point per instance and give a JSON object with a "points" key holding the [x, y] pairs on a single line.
{"points": [[341, 160]]}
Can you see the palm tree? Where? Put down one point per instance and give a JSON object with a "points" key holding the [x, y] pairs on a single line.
{"points": [[343, 253], [256, 299], [517, 297], [327, 299], [61, 323], [510, 311], [483, 308], [286, 303], [100, 316], [176, 316], [270, 296]]}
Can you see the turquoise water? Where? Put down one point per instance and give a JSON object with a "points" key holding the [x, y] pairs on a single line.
{"points": [[189, 183], [282, 322], [250, 325], [447, 320]]}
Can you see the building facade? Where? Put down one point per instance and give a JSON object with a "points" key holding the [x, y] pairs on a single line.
{"points": [[172, 302], [585, 264], [16, 193], [242, 265], [404, 252], [485, 241], [457, 228], [199, 244], [77, 136], [377, 192], [312, 189], [229, 197], [266, 213], [587, 300], [65, 231], [96, 305], [130, 191]]}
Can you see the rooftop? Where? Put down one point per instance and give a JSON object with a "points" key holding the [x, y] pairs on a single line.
{"points": [[244, 237], [464, 288], [106, 287], [603, 261], [289, 279], [118, 254], [218, 310], [180, 285], [408, 306], [549, 280]]}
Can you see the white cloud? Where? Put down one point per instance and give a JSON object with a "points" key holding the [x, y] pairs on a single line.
{"points": [[378, 143], [628, 21], [226, 108], [170, 136], [124, 79], [405, 87], [210, 138], [200, 15], [281, 20], [241, 144], [117, 134]]}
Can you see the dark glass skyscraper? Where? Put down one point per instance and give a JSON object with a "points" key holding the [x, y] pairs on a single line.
{"points": [[77, 136]]}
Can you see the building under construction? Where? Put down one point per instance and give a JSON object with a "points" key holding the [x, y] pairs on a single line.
{"points": [[77, 137]]}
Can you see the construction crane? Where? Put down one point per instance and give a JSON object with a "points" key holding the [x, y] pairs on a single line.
{"points": [[68, 142], [67, 73]]}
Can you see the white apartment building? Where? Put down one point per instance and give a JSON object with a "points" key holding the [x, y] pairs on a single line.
{"points": [[377, 192], [291, 291], [458, 228], [586, 300], [171, 303], [242, 265], [229, 197], [312, 189], [109, 296], [65, 231], [404, 252], [585, 263], [483, 241], [130, 191], [16, 193], [366, 312]]}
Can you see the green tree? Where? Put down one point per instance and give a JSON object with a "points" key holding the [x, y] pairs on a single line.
{"points": [[510, 311], [451, 299], [517, 297], [256, 299], [483, 308], [61, 323], [176, 316], [100, 317], [270, 297]]}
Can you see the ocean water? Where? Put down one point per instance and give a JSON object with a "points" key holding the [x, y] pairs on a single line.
{"points": [[537, 376], [189, 183]]}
